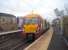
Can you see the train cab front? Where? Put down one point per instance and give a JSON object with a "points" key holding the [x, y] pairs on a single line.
{"points": [[30, 31]]}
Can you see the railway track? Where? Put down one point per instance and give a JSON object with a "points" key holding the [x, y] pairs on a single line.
{"points": [[8, 45], [21, 45], [12, 42], [5, 38]]}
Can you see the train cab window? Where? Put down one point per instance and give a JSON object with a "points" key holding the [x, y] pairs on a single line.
{"points": [[31, 21]]}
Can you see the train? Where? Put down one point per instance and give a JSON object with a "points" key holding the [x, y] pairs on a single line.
{"points": [[33, 26]]}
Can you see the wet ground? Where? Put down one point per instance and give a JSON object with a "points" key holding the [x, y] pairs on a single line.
{"points": [[57, 42]]}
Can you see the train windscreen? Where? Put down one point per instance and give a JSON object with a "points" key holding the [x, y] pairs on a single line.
{"points": [[31, 20]]}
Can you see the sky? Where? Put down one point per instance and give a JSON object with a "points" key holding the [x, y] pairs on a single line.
{"points": [[23, 7]]}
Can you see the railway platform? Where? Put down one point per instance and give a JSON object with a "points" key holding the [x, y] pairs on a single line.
{"points": [[9, 32], [41, 43]]}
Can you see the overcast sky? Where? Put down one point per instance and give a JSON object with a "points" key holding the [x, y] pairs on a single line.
{"points": [[23, 7]]}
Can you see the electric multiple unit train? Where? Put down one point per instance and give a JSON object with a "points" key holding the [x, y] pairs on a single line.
{"points": [[33, 26]]}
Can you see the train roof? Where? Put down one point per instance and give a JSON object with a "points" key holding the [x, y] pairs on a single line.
{"points": [[7, 15], [33, 16]]}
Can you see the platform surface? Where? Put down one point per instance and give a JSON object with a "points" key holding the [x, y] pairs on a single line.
{"points": [[8, 32], [41, 43]]}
